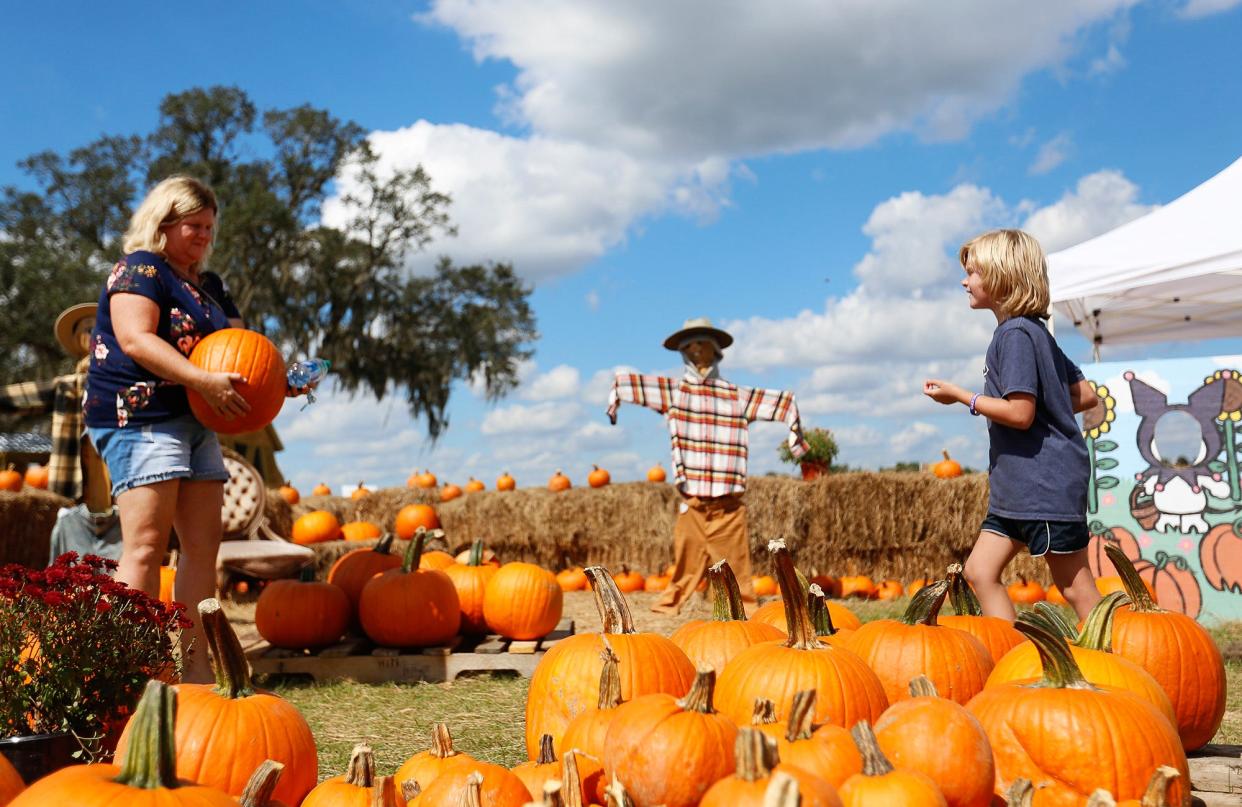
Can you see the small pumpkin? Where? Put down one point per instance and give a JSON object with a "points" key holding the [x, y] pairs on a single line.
{"points": [[290, 494], [588, 732], [559, 482], [819, 753], [1027, 592], [505, 482], [360, 531], [997, 635], [474, 486], [773, 613], [425, 766], [316, 527], [572, 579], [522, 601], [1056, 597], [890, 590], [11, 480], [598, 477], [297, 614], [450, 492], [36, 476], [466, 781], [656, 582], [714, 642], [765, 586], [410, 606], [758, 758], [263, 383], [357, 787], [426, 480], [321, 490], [471, 579], [360, 492], [918, 584], [881, 783], [656, 474], [831, 586], [947, 468], [857, 585], [629, 580], [436, 558], [413, 516]]}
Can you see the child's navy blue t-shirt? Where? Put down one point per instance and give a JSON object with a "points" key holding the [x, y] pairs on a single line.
{"points": [[1038, 473]]}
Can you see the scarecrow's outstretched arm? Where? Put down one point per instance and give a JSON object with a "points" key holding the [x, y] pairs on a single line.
{"points": [[652, 391], [28, 397], [773, 404]]}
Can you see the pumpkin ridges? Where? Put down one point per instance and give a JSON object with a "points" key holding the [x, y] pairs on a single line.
{"points": [[253, 355]]}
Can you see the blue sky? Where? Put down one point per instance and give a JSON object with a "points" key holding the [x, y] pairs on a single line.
{"points": [[800, 172]]}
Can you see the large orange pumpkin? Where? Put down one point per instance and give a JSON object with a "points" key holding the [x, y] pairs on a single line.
{"points": [[10, 782], [598, 477], [669, 750], [144, 777], [353, 569], [881, 783], [315, 527], [409, 606], [489, 786], [818, 753], [237, 350], [425, 766], [566, 680], [947, 468], [1028, 725], [588, 732], [757, 758], [413, 516], [297, 614], [522, 601], [900, 649], [224, 731], [471, 579], [713, 642], [357, 787], [996, 635], [848, 690], [1177, 651], [36, 476]]}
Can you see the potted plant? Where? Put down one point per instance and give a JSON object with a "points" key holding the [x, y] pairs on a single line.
{"points": [[76, 650], [818, 459]]}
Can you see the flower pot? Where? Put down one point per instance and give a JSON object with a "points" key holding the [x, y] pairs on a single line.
{"points": [[813, 470], [36, 755]]}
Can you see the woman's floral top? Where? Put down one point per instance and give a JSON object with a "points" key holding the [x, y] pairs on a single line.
{"points": [[119, 391]]}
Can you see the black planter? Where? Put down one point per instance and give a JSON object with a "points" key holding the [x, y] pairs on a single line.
{"points": [[38, 755]]}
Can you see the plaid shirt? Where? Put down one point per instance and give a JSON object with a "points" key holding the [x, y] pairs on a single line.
{"points": [[62, 396], [708, 420]]}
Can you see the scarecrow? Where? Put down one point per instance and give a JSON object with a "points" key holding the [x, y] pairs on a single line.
{"points": [[708, 419]]}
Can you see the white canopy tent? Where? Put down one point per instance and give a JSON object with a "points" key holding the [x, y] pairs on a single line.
{"points": [[1174, 274]]}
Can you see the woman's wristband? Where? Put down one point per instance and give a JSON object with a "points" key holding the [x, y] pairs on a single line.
{"points": [[973, 400]]}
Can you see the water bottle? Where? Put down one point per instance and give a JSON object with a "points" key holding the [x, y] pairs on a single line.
{"points": [[307, 373]]}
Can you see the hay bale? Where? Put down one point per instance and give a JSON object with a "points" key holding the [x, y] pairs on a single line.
{"points": [[26, 521]]}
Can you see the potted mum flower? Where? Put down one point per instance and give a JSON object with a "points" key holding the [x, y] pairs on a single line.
{"points": [[76, 650], [818, 459]]}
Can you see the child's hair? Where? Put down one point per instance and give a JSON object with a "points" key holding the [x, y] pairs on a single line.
{"points": [[1013, 269]]}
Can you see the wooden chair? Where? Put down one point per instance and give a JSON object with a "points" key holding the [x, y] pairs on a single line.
{"points": [[250, 546]]}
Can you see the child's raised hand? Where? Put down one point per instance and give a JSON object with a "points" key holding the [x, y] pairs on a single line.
{"points": [[944, 392]]}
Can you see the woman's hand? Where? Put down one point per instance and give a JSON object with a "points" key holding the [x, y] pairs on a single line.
{"points": [[945, 392], [218, 390]]}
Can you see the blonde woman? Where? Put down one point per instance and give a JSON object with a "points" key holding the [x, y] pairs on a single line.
{"points": [[1037, 470], [167, 469]]}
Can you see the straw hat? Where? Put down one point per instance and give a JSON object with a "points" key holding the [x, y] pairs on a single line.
{"points": [[698, 327], [68, 321]]}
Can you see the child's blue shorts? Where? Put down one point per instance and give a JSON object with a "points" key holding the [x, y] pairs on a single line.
{"points": [[181, 448], [1041, 537]]}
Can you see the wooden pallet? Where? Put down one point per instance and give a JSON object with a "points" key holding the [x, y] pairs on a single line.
{"points": [[359, 659], [1216, 776]]}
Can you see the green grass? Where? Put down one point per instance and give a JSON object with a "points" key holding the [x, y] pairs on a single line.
{"points": [[486, 712]]}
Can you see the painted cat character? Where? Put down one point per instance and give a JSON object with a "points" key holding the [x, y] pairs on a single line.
{"points": [[1179, 485]]}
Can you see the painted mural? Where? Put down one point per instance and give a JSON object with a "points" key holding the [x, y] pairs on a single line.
{"points": [[1165, 488]]}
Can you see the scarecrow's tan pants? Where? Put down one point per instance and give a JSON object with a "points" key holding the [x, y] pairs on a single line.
{"points": [[708, 530]]}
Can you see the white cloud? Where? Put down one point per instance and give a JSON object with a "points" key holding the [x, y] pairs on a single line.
{"points": [[1196, 9], [592, 300], [918, 438], [1100, 202], [1051, 154], [1111, 62], [539, 418], [561, 381]]}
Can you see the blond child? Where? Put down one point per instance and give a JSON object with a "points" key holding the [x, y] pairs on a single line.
{"points": [[1037, 464]]}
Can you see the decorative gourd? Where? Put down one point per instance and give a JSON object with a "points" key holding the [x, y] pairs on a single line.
{"points": [[10, 782], [36, 477], [848, 690], [290, 494], [573, 579], [831, 757], [757, 759], [409, 606], [471, 579], [145, 777], [714, 642], [559, 482], [353, 569], [1177, 651], [505, 482], [656, 474], [566, 680], [226, 730], [261, 787], [449, 492], [522, 601], [413, 516], [667, 750], [495, 786], [899, 649], [250, 353], [360, 531], [947, 468], [881, 783], [474, 486], [997, 635], [1090, 652], [315, 527], [959, 760], [357, 787], [425, 766], [10, 480], [629, 581], [598, 477], [297, 614], [1029, 724], [321, 490], [1027, 592]]}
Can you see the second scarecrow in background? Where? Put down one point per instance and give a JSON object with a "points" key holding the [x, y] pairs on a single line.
{"points": [[708, 421]]}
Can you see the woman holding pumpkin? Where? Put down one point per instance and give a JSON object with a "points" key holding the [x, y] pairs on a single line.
{"points": [[1038, 468]]}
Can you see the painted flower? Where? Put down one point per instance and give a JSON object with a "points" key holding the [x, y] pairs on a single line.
{"points": [[1231, 408], [1098, 419], [101, 350]]}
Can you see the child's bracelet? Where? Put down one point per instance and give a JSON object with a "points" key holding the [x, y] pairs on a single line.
{"points": [[973, 399]]}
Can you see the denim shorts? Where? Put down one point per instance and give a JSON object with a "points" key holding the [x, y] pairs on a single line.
{"points": [[1041, 537], [181, 448]]}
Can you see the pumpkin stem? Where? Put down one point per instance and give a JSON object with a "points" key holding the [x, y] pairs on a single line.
{"points": [[1097, 629], [1020, 794], [962, 597], [1101, 798], [571, 780], [801, 630], [262, 784], [384, 544], [472, 795], [414, 552], [361, 771], [801, 716], [476, 553], [151, 760], [227, 659], [1057, 620], [385, 793], [307, 573], [547, 754], [926, 604], [441, 742], [553, 795], [699, 698], [1157, 793], [614, 611], [726, 596], [756, 755], [764, 713], [615, 795], [817, 608], [609, 679], [1049, 623], [922, 687], [782, 791], [874, 761], [1060, 669], [1140, 597]]}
